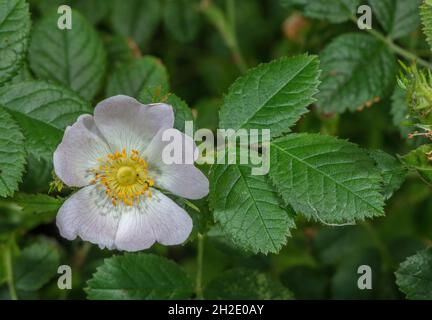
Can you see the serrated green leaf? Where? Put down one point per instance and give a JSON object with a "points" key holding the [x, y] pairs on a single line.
{"points": [[392, 171], [419, 161], [43, 111], [325, 178], [131, 78], [139, 276], [335, 11], [14, 36], [397, 17], [272, 96], [12, 154], [137, 19], [182, 19], [75, 58], [358, 70], [245, 284], [249, 209], [414, 276], [426, 18], [225, 244], [35, 266], [22, 75], [38, 203]]}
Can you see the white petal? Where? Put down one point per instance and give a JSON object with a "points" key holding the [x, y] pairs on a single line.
{"points": [[157, 219], [78, 152], [90, 215], [126, 123], [184, 180]]}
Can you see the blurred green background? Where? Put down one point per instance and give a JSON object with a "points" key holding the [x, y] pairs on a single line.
{"points": [[318, 262]]}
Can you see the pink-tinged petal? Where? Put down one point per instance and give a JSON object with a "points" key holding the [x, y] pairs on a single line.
{"points": [[157, 219], [126, 123], [185, 181], [90, 215], [182, 179], [78, 152], [135, 231]]}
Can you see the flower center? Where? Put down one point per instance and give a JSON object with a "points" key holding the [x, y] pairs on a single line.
{"points": [[124, 177]]}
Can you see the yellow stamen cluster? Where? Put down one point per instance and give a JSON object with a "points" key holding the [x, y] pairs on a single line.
{"points": [[124, 177]]}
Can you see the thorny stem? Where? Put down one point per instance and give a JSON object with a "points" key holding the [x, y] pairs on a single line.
{"points": [[200, 255], [226, 27], [395, 48], [9, 273]]}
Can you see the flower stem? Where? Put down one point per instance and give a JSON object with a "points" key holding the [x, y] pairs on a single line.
{"points": [[396, 48], [399, 50], [9, 272], [226, 27], [200, 255]]}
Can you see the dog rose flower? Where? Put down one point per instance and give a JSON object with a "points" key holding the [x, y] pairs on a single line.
{"points": [[115, 157]]}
